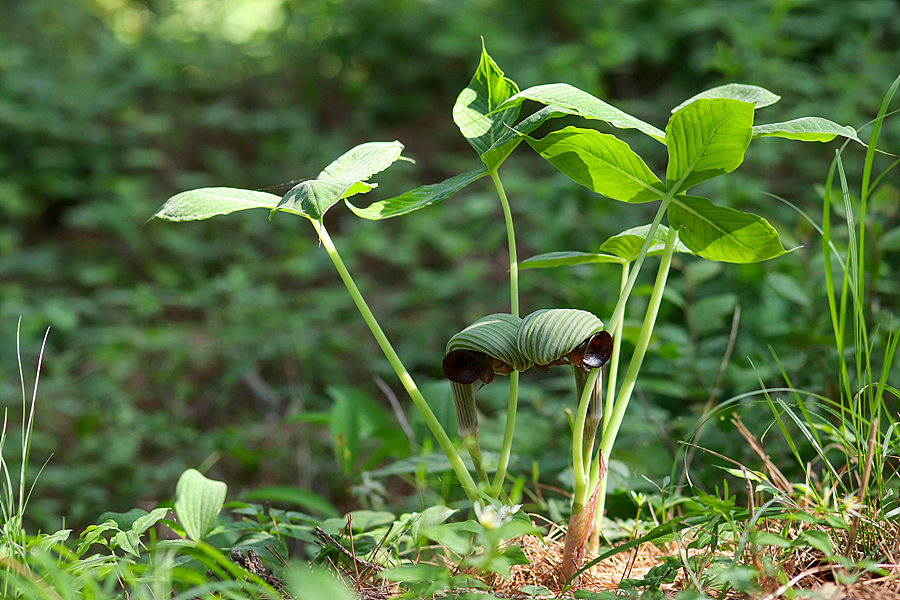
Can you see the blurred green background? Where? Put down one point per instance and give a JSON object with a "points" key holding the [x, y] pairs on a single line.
{"points": [[230, 344]]}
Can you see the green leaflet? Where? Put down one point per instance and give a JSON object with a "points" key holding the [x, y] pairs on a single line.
{"points": [[723, 234], [574, 101], [546, 336], [344, 177], [513, 136], [753, 94], [619, 249], [600, 162], [417, 198], [567, 259], [627, 245], [474, 111], [204, 203], [806, 129], [707, 138]]}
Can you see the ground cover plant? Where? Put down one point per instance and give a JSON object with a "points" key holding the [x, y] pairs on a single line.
{"points": [[480, 544]]}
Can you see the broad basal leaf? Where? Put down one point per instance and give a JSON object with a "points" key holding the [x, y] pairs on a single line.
{"points": [[204, 203], [807, 129], [627, 245], [198, 501], [578, 102], [473, 111], [707, 138], [723, 234], [343, 178], [756, 95], [567, 259], [417, 198], [600, 162]]}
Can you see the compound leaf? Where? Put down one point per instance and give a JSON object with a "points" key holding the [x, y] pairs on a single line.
{"points": [[343, 178]]}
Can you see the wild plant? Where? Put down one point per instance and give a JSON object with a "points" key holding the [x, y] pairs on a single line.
{"points": [[705, 137]]}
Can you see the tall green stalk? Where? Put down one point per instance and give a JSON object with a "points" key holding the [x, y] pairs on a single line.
{"points": [[611, 429], [506, 448], [612, 377], [619, 311], [580, 462], [431, 420]]}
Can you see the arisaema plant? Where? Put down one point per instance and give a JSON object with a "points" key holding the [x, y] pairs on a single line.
{"points": [[705, 137]]}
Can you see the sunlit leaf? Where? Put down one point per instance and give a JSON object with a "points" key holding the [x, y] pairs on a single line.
{"points": [[721, 233], [204, 203], [473, 111], [198, 501], [567, 259], [600, 162], [627, 245], [343, 178], [147, 521], [707, 138], [578, 102], [513, 136], [754, 94], [806, 129], [417, 198]]}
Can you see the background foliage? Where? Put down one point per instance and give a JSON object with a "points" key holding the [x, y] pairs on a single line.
{"points": [[231, 345]]}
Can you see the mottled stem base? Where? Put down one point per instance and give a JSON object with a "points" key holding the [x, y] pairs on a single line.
{"points": [[581, 525]]}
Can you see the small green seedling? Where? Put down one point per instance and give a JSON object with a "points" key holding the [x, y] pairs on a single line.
{"points": [[705, 137]]}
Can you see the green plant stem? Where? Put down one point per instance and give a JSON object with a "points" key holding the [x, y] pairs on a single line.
{"points": [[611, 429], [594, 414], [619, 311], [578, 459], [506, 448], [613, 364], [611, 383], [511, 240], [443, 440]]}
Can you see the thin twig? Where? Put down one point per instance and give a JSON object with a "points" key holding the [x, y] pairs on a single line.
{"points": [[398, 410]]}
